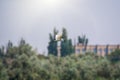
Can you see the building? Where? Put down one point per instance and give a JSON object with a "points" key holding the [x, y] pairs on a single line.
{"points": [[101, 50]]}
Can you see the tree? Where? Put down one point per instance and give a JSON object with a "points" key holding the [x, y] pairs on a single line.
{"points": [[52, 47], [86, 43], [71, 47], [9, 45], [66, 44], [24, 48], [22, 42], [28, 65], [2, 52], [64, 34], [19, 62], [3, 72], [115, 56], [83, 40]]}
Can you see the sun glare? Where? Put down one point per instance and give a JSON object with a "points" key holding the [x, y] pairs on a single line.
{"points": [[45, 3], [51, 3]]}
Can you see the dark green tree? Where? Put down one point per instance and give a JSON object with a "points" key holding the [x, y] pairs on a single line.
{"points": [[114, 56], [64, 34], [71, 47], [66, 44], [52, 47], [2, 52], [83, 40]]}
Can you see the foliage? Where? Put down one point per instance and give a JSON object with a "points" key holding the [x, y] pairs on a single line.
{"points": [[3, 72], [66, 44], [52, 47], [83, 40], [115, 55], [21, 62]]}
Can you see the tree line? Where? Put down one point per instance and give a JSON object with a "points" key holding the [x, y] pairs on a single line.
{"points": [[21, 62]]}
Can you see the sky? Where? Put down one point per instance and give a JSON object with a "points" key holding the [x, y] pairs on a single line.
{"points": [[33, 20]]}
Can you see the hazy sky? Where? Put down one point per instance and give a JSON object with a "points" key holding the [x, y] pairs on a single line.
{"points": [[35, 19]]}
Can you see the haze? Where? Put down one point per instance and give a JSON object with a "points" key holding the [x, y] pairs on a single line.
{"points": [[35, 19]]}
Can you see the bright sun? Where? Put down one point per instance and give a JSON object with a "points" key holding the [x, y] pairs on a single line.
{"points": [[52, 2], [46, 3]]}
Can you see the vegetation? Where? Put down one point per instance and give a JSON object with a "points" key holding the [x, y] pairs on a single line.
{"points": [[22, 63], [66, 45], [52, 47], [115, 56], [83, 40]]}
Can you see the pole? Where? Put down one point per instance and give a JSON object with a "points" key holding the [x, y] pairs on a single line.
{"points": [[58, 49]]}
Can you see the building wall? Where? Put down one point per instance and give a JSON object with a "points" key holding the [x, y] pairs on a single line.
{"points": [[101, 50]]}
